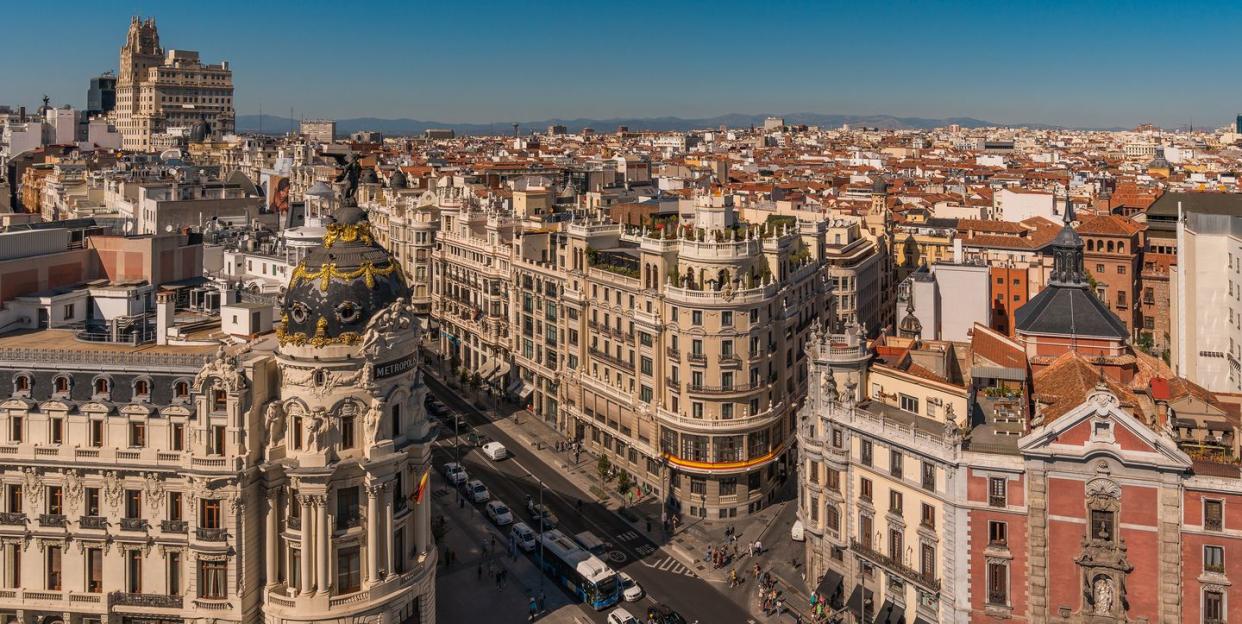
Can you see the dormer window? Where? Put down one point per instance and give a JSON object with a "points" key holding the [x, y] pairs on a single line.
{"points": [[61, 385], [102, 386], [181, 390], [21, 384], [142, 389]]}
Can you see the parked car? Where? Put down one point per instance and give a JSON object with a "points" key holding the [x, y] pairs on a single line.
{"points": [[538, 511], [524, 536], [477, 492], [663, 614], [797, 532], [499, 513], [454, 473], [621, 616], [630, 588], [495, 451]]}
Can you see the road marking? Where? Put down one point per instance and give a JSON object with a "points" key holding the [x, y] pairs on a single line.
{"points": [[672, 566], [627, 536]]}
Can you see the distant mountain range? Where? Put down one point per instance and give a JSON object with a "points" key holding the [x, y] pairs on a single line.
{"points": [[271, 124]]}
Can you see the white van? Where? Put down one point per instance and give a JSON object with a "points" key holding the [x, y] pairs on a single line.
{"points": [[523, 536], [495, 451], [797, 532]]}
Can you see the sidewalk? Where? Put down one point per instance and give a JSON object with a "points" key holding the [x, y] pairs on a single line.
{"points": [[689, 543], [464, 596]]}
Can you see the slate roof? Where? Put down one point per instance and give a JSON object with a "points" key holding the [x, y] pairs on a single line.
{"points": [[1068, 310]]}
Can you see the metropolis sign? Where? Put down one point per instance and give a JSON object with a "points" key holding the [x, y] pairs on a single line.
{"points": [[395, 367]]}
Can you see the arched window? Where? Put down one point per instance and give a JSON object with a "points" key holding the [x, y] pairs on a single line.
{"points": [[61, 385], [21, 383], [102, 386], [1110, 246], [181, 390], [142, 388], [1090, 244], [1121, 247]]}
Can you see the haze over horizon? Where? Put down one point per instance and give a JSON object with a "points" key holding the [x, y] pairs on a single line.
{"points": [[1070, 65]]}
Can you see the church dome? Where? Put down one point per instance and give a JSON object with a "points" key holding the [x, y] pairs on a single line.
{"points": [[340, 285], [397, 180], [369, 177]]}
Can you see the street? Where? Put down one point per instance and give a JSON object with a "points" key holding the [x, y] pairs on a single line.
{"points": [[663, 577]]}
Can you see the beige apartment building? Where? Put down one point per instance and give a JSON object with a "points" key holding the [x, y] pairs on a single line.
{"points": [[158, 90], [405, 222], [685, 355], [186, 481]]}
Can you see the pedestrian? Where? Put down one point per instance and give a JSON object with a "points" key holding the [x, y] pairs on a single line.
{"points": [[780, 607], [758, 547]]}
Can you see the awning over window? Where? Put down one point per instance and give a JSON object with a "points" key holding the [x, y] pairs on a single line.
{"points": [[890, 614], [830, 585]]}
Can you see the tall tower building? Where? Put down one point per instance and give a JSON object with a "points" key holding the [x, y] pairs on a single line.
{"points": [[158, 90], [101, 96], [349, 443]]}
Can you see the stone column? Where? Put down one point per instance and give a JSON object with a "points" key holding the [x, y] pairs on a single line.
{"points": [[308, 525], [373, 521], [322, 531], [386, 562], [273, 511]]}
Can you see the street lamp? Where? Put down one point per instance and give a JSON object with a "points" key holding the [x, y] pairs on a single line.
{"points": [[542, 573]]}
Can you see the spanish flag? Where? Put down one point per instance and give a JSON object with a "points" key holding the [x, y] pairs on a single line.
{"points": [[422, 487]]}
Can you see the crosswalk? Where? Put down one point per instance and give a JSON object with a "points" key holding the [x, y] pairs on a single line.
{"points": [[671, 565]]}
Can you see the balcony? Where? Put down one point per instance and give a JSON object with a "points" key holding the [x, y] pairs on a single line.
{"points": [[158, 601], [730, 360], [174, 526], [293, 523], [895, 566], [13, 519], [52, 520], [696, 358], [673, 353], [93, 522], [134, 524], [743, 387], [211, 535], [617, 362]]}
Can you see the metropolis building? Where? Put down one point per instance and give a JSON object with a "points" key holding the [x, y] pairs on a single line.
{"points": [[194, 481]]}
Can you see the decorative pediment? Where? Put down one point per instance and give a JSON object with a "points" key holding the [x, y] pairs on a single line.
{"points": [[97, 407], [1099, 425], [138, 409], [17, 403], [183, 409]]}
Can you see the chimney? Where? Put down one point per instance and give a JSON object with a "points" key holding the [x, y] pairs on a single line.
{"points": [[165, 310], [228, 296]]}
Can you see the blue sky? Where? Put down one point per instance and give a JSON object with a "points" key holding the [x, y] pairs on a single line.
{"points": [[1073, 63]]}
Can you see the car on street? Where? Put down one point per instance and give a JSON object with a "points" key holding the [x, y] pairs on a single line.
{"points": [[477, 492], [630, 589], [454, 473], [663, 614], [495, 451], [621, 616], [499, 513], [539, 511], [523, 536]]}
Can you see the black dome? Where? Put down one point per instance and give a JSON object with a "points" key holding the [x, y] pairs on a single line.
{"points": [[397, 180], [369, 177], [340, 285]]}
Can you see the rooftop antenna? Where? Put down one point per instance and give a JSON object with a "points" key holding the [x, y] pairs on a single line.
{"points": [[515, 128]]}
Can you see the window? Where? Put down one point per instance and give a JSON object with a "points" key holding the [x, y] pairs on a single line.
{"points": [[838, 439], [177, 432], [295, 431], [894, 501], [55, 500], [137, 435], [1213, 559], [1102, 525], [61, 385], [894, 463], [102, 386], [696, 317], [181, 390], [21, 383], [16, 428], [864, 489], [212, 582], [142, 389], [929, 476], [696, 409], [646, 365], [348, 570], [1213, 607], [97, 433], [1121, 269], [219, 400], [927, 561], [909, 404], [217, 440], [174, 506], [347, 431], [865, 534], [133, 571], [928, 518], [347, 508], [57, 430], [865, 452], [645, 394], [1213, 515], [94, 570], [832, 518], [726, 319], [92, 501], [996, 492], [698, 486], [998, 583], [998, 533], [833, 480], [174, 573], [133, 503], [728, 487], [209, 514], [895, 544], [54, 571]]}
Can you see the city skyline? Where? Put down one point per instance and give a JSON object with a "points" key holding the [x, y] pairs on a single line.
{"points": [[1078, 67]]}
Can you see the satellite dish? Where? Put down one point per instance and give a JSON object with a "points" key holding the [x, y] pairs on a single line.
{"points": [[168, 228]]}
